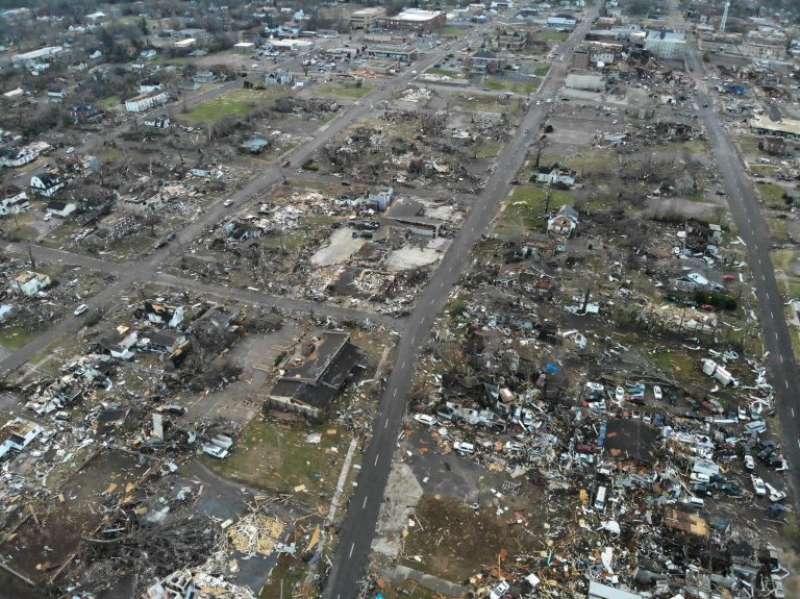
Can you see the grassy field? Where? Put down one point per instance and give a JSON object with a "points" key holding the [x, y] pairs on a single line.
{"points": [[778, 230], [555, 37], [110, 103], [527, 208], [517, 87], [236, 104], [786, 264], [344, 92], [488, 150], [13, 338], [772, 196], [277, 458], [489, 103], [455, 32], [597, 163], [542, 70]]}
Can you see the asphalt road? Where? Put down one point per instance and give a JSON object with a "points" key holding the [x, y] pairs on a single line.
{"points": [[358, 528], [753, 229], [148, 268]]}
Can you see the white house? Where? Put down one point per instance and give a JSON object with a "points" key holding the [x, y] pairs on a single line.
{"points": [[46, 185], [563, 223], [35, 56], [556, 176], [61, 209], [146, 102], [29, 283], [16, 204], [24, 155], [17, 434]]}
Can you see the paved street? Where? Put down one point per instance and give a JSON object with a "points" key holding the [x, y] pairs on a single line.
{"points": [[358, 529], [746, 212], [146, 269]]}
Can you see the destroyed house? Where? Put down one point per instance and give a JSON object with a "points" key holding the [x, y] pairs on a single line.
{"points": [[311, 383], [564, 223], [118, 343], [29, 283], [14, 204], [61, 209], [160, 313], [242, 230], [631, 440], [602, 591], [17, 434], [46, 185], [161, 341], [556, 176], [686, 523]]}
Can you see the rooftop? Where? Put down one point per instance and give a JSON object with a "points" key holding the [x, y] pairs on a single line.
{"points": [[417, 14]]}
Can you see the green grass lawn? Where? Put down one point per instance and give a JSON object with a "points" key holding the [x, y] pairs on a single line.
{"points": [[489, 103], [444, 73], [555, 37], [772, 196], [594, 163], [542, 70], [456, 32], [236, 104], [517, 87], [344, 92], [277, 458], [488, 149], [527, 207], [785, 263], [110, 103], [14, 338]]}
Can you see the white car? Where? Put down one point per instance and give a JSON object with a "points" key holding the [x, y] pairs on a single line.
{"points": [[425, 419], [775, 494], [464, 448], [758, 485], [80, 309], [227, 203], [619, 394], [514, 447], [749, 462], [658, 394], [742, 413], [215, 451]]}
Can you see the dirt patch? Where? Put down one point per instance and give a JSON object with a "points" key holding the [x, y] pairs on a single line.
{"points": [[453, 541]]}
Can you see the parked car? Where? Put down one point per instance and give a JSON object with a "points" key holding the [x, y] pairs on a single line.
{"points": [[657, 393], [758, 486], [619, 394], [223, 441], [464, 448], [749, 462], [425, 419], [215, 451], [775, 494], [80, 309]]}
